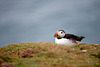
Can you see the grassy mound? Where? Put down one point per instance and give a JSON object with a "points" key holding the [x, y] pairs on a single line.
{"points": [[44, 54]]}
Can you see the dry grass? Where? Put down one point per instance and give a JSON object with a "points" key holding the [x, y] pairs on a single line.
{"points": [[45, 54]]}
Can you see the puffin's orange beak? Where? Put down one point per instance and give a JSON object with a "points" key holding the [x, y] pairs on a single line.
{"points": [[56, 34]]}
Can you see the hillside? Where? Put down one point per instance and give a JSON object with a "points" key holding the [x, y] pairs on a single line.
{"points": [[45, 54]]}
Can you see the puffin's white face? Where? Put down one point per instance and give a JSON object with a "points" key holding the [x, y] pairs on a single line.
{"points": [[59, 34]]}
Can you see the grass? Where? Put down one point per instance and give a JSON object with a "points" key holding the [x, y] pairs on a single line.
{"points": [[45, 54]]}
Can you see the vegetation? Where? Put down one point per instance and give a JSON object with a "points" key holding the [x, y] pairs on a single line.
{"points": [[45, 54]]}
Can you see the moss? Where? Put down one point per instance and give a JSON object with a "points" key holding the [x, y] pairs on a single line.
{"points": [[48, 54]]}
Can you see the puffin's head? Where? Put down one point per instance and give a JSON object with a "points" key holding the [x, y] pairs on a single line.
{"points": [[59, 34]]}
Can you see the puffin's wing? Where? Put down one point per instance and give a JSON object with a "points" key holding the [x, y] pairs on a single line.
{"points": [[74, 37], [71, 36]]}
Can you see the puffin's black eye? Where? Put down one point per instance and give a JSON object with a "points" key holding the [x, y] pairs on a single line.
{"points": [[61, 32]]}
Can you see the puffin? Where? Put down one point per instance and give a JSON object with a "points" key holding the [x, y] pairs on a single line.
{"points": [[62, 38]]}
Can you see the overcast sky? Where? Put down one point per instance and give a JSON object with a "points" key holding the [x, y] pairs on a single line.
{"points": [[38, 20]]}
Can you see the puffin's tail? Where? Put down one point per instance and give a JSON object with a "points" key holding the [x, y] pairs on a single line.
{"points": [[80, 38]]}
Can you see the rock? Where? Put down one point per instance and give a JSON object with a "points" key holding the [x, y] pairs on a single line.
{"points": [[84, 51]]}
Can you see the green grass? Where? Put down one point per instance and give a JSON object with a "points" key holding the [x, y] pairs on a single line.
{"points": [[45, 54]]}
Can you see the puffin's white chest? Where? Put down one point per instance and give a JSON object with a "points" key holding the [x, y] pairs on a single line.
{"points": [[64, 41]]}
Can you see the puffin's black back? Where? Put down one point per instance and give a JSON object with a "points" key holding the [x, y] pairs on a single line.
{"points": [[73, 37]]}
